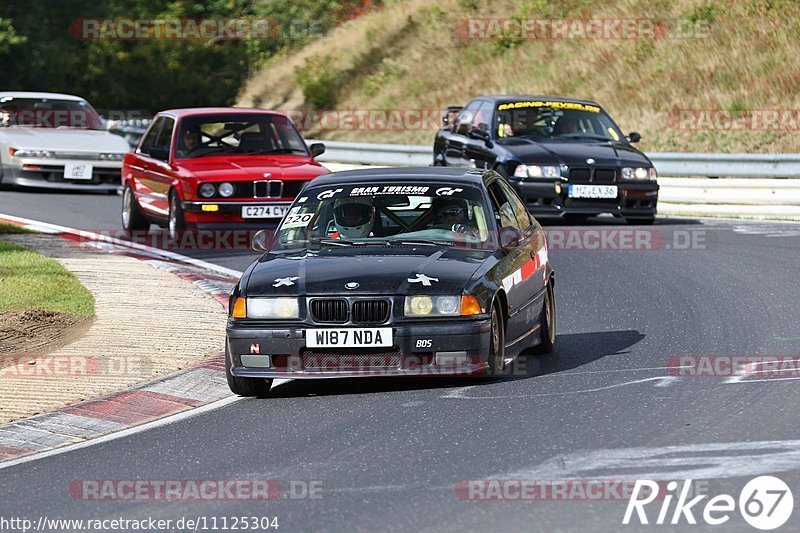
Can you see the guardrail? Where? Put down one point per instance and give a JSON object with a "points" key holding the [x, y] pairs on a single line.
{"points": [[750, 188], [666, 163]]}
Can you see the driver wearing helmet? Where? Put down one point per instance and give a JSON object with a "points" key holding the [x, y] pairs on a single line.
{"points": [[353, 217]]}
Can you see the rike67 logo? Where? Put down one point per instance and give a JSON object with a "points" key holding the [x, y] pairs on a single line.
{"points": [[766, 503]]}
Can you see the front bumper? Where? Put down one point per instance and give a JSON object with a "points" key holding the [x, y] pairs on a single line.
{"points": [[228, 213], [50, 175], [548, 198], [455, 348]]}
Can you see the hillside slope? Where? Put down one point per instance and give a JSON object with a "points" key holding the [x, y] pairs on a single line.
{"points": [[721, 58]]}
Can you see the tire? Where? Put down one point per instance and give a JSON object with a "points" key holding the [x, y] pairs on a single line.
{"points": [[645, 221], [245, 386], [548, 321], [176, 222], [132, 218], [497, 343]]}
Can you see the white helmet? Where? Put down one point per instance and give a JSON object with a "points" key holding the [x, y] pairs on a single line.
{"points": [[354, 217]]}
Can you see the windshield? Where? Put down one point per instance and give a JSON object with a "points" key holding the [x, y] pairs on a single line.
{"points": [[48, 113], [259, 133], [555, 121], [386, 213]]}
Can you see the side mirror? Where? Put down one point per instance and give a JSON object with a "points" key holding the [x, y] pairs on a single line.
{"points": [[159, 152], [481, 135], [317, 149], [510, 237], [634, 137], [449, 115], [261, 240]]}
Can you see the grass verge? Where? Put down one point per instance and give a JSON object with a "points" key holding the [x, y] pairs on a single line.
{"points": [[29, 281]]}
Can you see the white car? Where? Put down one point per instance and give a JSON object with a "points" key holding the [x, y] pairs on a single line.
{"points": [[57, 141]]}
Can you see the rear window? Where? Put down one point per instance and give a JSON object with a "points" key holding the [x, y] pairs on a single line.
{"points": [[48, 113]]}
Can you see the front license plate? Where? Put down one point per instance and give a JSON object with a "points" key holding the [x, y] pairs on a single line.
{"points": [[264, 211], [349, 338], [77, 171], [592, 191]]}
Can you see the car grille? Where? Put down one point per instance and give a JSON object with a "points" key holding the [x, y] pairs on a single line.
{"points": [[370, 311], [329, 310], [349, 359], [270, 188], [588, 175]]}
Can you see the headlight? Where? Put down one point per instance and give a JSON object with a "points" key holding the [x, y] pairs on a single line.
{"points": [[34, 154], [653, 173], [225, 189], [432, 305], [534, 171], [272, 308], [207, 190], [638, 173], [111, 157]]}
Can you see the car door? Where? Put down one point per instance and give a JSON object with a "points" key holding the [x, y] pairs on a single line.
{"points": [[478, 145], [141, 163], [158, 175], [455, 144], [509, 268], [532, 272]]}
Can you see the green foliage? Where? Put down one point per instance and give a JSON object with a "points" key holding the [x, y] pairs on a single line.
{"points": [[319, 81], [37, 51], [388, 70]]}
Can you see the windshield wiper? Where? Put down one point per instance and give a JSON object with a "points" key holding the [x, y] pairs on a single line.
{"points": [[421, 242], [584, 136], [275, 151]]}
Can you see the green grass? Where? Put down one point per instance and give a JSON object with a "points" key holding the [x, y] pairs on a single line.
{"points": [[29, 280], [10, 229]]}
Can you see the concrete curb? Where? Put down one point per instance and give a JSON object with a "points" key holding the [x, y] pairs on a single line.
{"points": [[185, 390]]}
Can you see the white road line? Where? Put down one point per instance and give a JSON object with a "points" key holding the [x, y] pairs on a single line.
{"points": [[662, 381], [46, 227]]}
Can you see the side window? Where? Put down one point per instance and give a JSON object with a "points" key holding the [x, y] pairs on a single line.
{"points": [[483, 117], [519, 208], [150, 136], [165, 136], [465, 116], [503, 211]]}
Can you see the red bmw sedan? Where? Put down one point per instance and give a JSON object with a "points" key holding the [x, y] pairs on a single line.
{"points": [[219, 167]]}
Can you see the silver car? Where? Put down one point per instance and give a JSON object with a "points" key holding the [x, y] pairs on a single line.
{"points": [[57, 141]]}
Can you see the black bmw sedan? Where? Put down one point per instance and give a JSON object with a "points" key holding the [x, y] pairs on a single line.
{"points": [[565, 157], [388, 272]]}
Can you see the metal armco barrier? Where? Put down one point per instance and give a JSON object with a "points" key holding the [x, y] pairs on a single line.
{"points": [[750, 188], [667, 163]]}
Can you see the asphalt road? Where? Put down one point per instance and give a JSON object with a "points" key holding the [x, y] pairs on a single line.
{"points": [[389, 454]]}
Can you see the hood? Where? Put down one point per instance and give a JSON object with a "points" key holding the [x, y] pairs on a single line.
{"points": [[63, 140], [226, 168], [378, 271], [573, 153]]}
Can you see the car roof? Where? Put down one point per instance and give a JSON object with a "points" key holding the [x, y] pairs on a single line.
{"points": [[31, 94], [508, 98], [197, 111], [403, 174]]}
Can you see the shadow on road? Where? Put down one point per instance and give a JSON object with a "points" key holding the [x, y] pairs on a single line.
{"points": [[572, 350]]}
